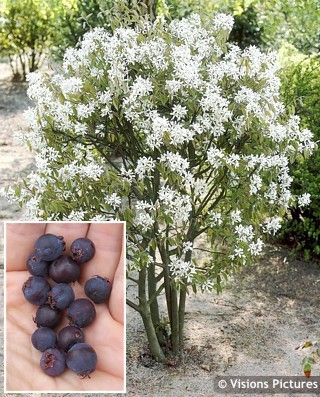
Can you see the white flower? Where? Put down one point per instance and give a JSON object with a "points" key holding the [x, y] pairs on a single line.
{"points": [[9, 194], [256, 184], [80, 128], [98, 73], [304, 200], [180, 134], [178, 112], [186, 66], [156, 126], [101, 218], [181, 270], [105, 97], [272, 193], [84, 111], [140, 87], [278, 132], [235, 216], [251, 99], [173, 86], [175, 162], [215, 157], [233, 160], [255, 248], [216, 218], [207, 286], [32, 208], [244, 233], [272, 225], [187, 246], [175, 204], [145, 165], [305, 137], [237, 253], [127, 175], [223, 21], [75, 216], [72, 85], [145, 220], [143, 205], [114, 200]]}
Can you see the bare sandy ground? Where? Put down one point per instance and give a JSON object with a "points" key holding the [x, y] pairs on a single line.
{"points": [[253, 328], [15, 160]]}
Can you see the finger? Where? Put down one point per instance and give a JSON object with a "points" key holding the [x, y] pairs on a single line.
{"points": [[20, 243], [107, 338], [116, 301], [108, 240], [70, 231]]}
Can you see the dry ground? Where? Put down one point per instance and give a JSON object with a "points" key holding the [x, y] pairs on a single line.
{"points": [[251, 329]]}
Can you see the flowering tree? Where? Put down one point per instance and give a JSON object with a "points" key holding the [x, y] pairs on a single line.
{"points": [[183, 136]]}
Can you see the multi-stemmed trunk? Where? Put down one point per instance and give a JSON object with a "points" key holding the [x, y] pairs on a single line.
{"points": [[151, 283]]}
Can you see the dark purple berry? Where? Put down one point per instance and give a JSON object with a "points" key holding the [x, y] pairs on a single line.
{"points": [[82, 359], [61, 296], [44, 338], [64, 270], [37, 266], [82, 250], [36, 289], [47, 317], [69, 336], [53, 362], [98, 289], [81, 312], [49, 247]]}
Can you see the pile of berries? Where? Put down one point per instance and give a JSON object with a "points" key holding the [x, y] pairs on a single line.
{"points": [[67, 348]]}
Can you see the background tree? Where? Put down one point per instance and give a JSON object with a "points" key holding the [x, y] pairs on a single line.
{"points": [[27, 30]]}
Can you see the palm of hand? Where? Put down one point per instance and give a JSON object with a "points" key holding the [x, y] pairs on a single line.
{"points": [[105, 334]]}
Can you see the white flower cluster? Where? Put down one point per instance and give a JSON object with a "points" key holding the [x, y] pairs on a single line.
{"points": [[181, 270], [304, 199], [171, 123], [175, 204]]}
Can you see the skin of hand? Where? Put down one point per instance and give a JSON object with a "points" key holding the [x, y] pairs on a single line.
{"points": [[105, 334]]}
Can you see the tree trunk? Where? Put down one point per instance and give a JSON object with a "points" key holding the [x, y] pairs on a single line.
{"points": [[154, 307], [152, 8], [182, 309], [155, 347], [175, 321]]}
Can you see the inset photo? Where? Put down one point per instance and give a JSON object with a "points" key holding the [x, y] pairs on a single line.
{"points": [[65, 307]]}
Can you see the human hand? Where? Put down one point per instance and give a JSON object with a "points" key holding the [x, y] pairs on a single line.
{"points": [[105, 334]]}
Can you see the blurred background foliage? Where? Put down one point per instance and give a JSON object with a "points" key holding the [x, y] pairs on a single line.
{"points": [[31, 30]]}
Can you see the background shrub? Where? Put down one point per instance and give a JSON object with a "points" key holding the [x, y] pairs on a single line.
{"points": [[27, 29], [77, 18], [300, 91]]}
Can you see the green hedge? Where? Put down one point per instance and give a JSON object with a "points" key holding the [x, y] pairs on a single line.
{"points": [[301, 93]]}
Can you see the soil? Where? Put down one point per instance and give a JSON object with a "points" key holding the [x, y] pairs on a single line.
{"points": [[15, 160], [252, 328]]}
